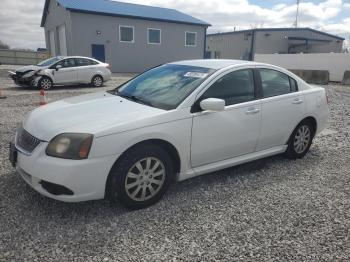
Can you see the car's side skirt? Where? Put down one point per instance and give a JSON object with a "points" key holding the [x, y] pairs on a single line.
{"points": [[232, 162]]}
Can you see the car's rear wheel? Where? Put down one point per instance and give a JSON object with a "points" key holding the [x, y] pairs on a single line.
{"points": [[97, 81], [45, 83], [300, 140], [141, 176]]}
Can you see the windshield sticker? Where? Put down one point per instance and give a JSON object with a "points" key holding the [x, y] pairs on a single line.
{"points": [[196, 74]]}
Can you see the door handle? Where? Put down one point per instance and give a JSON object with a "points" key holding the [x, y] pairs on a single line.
{"points": [[297, 101], [252, 111]]}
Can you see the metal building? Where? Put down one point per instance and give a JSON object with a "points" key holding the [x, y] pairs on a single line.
{"points": [[244, 44], [132, 38]]}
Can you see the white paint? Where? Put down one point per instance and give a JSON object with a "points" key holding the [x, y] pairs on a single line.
{"points": [[335, 63], [62, 39], [205, 141]]}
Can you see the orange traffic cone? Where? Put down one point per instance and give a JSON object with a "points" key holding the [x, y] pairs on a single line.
{"points": [[42, 98], [2, 96]]}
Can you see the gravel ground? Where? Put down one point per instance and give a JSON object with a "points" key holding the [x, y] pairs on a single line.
{"points": [[273, 209]]}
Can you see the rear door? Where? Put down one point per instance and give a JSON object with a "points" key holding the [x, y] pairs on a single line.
{"points": [[283, 107], [85, 69], [67, 73]]}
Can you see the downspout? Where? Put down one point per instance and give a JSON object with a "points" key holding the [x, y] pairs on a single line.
{"points": [[251, 56], [205, 42]]}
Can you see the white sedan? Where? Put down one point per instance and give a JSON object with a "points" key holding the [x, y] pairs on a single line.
{"points": [[63, 70], [173, 122]]}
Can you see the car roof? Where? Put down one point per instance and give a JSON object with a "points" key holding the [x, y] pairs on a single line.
{"points": [[64, 57], [213, 63]]}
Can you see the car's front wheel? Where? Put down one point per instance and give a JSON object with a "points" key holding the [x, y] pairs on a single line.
{"points": [[97, 81], [300, 140], [45, 83], [141, 176]]}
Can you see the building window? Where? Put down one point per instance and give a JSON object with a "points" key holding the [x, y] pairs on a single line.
{"points": [[154, 36], [126, 34], [191, 39]]}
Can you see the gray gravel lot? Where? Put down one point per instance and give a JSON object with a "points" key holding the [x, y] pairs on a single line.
{"points": [[273, 209]]}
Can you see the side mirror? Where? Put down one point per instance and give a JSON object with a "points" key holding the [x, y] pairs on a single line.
{"points": [[212, 104], [58, 67]]}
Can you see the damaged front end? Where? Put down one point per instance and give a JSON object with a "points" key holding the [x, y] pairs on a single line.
{"points": [[27, 78]]}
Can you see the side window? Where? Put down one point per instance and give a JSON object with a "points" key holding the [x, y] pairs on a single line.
{"points": [[66, 63], [274, 83], [82, 62], [92, 62], [236, 87], [126, 34]]}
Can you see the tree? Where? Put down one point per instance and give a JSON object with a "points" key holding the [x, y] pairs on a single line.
{"points": [[4, 45]]}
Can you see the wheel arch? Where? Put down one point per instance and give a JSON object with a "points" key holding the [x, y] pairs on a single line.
{"points": [[313, 121], [310, 119], [97, 74], [166, 145]]}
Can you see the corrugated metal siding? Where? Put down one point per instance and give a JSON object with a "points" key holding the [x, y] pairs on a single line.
{"points": [[234, 46], [137, 56]]}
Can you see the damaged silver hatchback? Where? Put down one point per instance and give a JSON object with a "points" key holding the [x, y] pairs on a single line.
{"points": [[62, 70]]}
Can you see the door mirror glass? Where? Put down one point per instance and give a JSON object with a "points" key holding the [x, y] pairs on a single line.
{"points": [[58, 67], [213, 104]]}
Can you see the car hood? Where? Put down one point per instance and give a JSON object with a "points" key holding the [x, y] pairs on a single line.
{"points": [[92, 113], [25, 69]]}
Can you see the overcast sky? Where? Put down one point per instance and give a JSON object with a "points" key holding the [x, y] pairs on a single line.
{"points": [[20, 19]]}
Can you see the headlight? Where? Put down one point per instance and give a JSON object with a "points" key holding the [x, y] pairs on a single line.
{"points": [[70, 146]]}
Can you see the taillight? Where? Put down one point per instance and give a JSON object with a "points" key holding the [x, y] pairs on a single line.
{"points": [[109, 66]]}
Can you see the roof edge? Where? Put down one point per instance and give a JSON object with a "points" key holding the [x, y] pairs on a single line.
{"points": [[47, 2], [278, 29], [43, 17], [137, 17]]}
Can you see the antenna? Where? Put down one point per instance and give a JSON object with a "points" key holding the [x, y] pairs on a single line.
{"points": [[297, 14]]}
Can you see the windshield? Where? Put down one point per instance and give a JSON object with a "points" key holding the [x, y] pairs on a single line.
{"points": [[164, 87], [49, 61]]}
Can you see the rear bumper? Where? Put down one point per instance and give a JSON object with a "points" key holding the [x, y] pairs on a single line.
{"points": [[107, 77], [63, 179]]}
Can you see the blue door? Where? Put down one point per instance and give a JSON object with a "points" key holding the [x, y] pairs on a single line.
{"points": [[98, 52]]}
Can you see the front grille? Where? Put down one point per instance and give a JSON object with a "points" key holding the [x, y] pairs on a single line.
{"points": [[26, 141]]}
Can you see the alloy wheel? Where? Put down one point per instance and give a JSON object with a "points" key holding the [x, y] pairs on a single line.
{"points": [[145, 178], [97, 81], [302, 139], [46, 83]]}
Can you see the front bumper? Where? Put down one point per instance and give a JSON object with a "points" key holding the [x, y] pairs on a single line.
{"points": [[21, 81], [86, 179]]}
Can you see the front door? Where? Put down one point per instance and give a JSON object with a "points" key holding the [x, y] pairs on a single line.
{"points": [[98, 52], [67, 73], [223, 135]]}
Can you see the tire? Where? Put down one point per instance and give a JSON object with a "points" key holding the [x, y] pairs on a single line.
{"points": [[45, 83], [300, 141], [97, 81], [132, 181]]}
